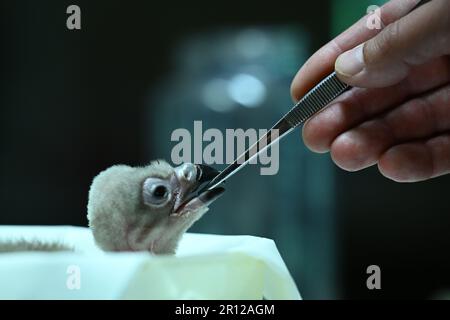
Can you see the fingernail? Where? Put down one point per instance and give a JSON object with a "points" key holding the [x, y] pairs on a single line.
{"points": [[351, 62]]}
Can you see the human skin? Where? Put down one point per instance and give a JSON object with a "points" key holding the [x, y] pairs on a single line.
{"points": [[397, 116]]}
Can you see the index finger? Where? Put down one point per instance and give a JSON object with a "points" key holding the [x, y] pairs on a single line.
{"points": [[322, 62]]}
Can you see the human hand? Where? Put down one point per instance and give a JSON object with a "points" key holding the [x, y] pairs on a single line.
{"points": [[398, 113]]}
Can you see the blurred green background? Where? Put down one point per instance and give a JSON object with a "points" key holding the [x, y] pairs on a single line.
{"points": [[75, 102]]}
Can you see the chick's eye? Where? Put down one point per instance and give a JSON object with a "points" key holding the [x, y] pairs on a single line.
{"points": [[159, 191], [156, 191]]}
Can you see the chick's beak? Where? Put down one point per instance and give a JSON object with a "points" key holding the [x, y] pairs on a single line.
{"points": [[191, 179]]}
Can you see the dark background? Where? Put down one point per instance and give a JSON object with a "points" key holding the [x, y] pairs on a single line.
{"points": [[72, 104]]}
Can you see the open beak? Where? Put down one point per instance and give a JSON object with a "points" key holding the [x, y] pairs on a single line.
{"points": [[192, 178]]}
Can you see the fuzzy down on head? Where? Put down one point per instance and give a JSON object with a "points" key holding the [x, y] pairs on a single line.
{"points": [[147, 208]]}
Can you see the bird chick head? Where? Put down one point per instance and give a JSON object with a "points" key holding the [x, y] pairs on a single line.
{"points": [[148, 208]]}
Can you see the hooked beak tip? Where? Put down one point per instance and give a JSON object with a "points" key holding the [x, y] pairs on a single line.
{"points": [[205, 174]]}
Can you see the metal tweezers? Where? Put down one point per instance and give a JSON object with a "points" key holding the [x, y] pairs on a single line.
{"points": [[314, 101]]}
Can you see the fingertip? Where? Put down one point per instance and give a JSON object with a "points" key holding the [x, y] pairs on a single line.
{"points": [[405, 163], [346, 152], [350, 63], [344, 77], [295, 88], [388, 168], [320, 131], [356, 149], [311, 139]]}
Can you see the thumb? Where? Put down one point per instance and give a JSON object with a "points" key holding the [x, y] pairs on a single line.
{"points": [[385, 60]]}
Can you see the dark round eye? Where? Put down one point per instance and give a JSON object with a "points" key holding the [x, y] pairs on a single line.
{"points": [[156, 192], [160, 192]]}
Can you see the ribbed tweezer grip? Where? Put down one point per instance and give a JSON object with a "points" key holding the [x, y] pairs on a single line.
{"points": [[317, 99]]}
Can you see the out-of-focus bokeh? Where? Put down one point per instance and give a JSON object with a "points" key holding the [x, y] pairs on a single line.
{"points": [[75, 102]]}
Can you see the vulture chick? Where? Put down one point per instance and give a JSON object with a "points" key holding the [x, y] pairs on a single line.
{"points": [[140, 209], [148, 208]]}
